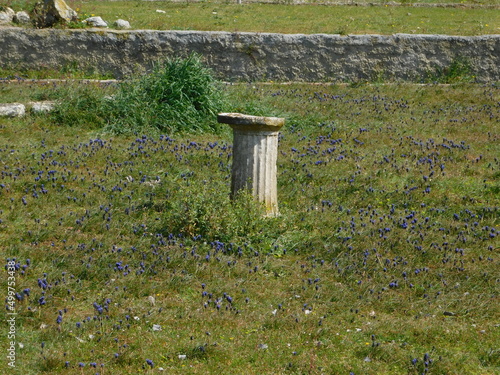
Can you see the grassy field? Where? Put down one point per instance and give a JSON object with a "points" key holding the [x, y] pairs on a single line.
{"points": [[128, 256], [281, 18], [124, 254], [289, 18]]}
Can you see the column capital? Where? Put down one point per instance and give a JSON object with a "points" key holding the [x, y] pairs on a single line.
{"points": [[251, 123]]}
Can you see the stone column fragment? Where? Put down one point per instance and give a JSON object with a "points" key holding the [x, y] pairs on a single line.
{"points": [[255, 152]]}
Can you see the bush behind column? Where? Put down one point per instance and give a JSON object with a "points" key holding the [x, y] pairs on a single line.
{"points": [[179, 95]]}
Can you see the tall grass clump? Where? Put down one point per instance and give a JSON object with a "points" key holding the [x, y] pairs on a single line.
{"points": [[179, 95], [81, 106]]}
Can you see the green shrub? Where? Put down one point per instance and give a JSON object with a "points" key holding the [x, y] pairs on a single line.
{"points": [[179, 95], [211, 214]]}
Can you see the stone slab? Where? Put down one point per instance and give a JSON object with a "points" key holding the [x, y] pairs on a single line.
{"points": [[251, 122], [41, 107], [12, 110]]}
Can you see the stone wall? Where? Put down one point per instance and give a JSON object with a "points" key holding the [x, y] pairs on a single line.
{"points": [[253, 56]]}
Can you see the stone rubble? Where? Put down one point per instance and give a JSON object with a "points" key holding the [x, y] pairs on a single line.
{"points": [[12, 110], [47, 13], [121, 24], [95, 22], [19, 109], [22, 18], [42, 107], [6, 15], [51, 12]]}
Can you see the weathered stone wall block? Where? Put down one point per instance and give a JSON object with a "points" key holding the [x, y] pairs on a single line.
{"points": [[253, 56]]}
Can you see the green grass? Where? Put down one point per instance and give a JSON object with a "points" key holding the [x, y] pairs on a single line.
{"points": [[288, 18], [178, 95], [281, 18], [384, 259]]}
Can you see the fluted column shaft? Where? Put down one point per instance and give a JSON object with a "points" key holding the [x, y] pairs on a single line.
{"points": [[255, 153]]}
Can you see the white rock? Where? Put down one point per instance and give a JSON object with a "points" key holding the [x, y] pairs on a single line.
{"points": [[160, 11], [9, 11], [182, 356], [156, 327], [12, 110], [96, 22], [22, 18], [152, 183], [62, 10], [41, 107], [6, 16], [121, 24]]}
